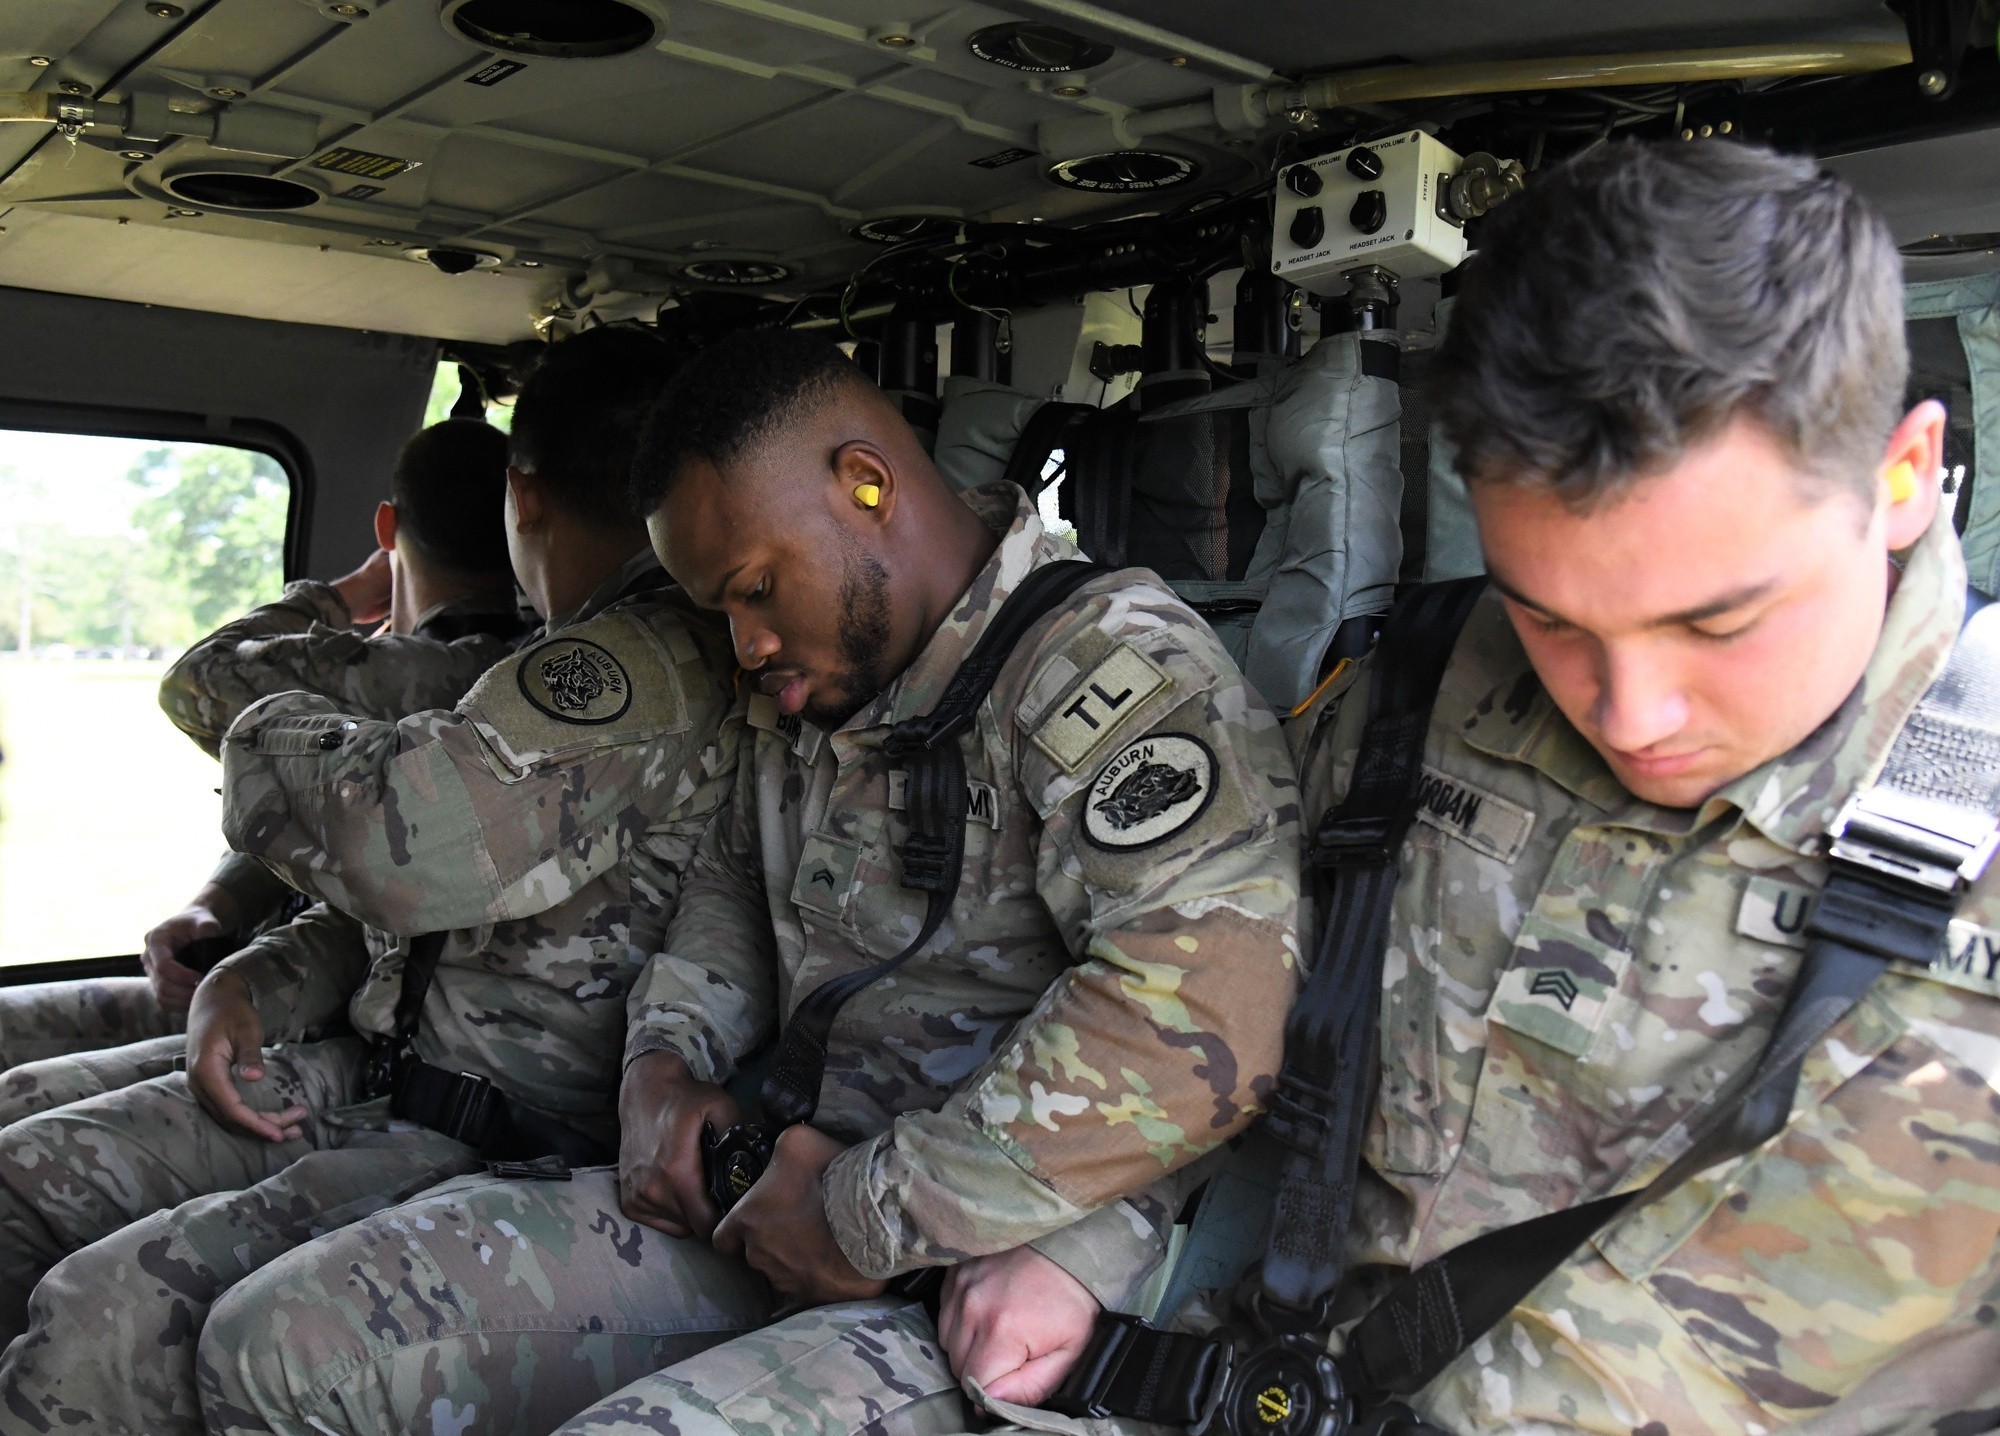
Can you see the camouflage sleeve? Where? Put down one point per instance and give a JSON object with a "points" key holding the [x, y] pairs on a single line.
{"points": [[711, 994], [304, 643], [553, 767], [1170, 855], [301, 975], [257, 891], [1116, 1249]]}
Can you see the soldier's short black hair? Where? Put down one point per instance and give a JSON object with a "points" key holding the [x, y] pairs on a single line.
{"points": [[1640, 296], [733, 394], [577, 420], [449, 487]]}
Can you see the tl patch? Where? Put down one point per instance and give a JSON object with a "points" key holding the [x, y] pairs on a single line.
{"points": [[1088, 715], [1149, 791], [575, 681], [1474, 816]]}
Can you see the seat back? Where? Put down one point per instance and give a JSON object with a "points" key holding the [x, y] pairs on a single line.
{"points": [[1271, 506]]}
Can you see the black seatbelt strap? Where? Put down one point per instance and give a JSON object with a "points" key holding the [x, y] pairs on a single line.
{"points": [[934, 853], [1049, 428], [1902, 852], [465, 1106], [1320, 1108]]}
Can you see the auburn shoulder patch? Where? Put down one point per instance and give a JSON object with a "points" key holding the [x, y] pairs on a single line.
{"points": [[609, 682], [575, 681], [1150, 790]]}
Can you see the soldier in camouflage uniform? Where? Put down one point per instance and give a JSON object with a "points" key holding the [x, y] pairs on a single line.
{"points": [[1102, 1008], [1692, 654], [135, 1209], [442, 580]]}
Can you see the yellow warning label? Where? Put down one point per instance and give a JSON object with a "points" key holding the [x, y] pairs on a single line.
{"points": [[361, 163], [1274, 1405]]}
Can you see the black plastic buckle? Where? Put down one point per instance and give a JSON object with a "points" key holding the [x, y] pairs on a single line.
{"points": [[378, 1078], [469, 1109], [1288, 1386], [1133, 1369], [1359, 841], [733, 1160]]}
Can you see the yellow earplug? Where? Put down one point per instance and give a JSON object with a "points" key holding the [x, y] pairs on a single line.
{"points": [[869, 495], [1902, 482]]}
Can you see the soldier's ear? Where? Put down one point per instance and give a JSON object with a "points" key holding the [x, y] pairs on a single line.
{"points": [[864, 483], [385, 526], [525, 503]]}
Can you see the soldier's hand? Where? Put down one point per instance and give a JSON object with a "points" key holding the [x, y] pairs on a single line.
{"points": [[661, 1109], [367, 590], [780, 1226], [210, 914], [1015, 1322], [225, 1038]]}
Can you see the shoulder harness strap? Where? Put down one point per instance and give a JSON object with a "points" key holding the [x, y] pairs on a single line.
{"points": [[934, 855]]}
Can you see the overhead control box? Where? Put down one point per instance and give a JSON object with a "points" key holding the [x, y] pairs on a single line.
{"points": [[1381, 203]]}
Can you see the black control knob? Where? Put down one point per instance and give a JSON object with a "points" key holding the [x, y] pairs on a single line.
{"points": [[1309, 226], [1363, 163], [1303, 181], [1370, 212]]}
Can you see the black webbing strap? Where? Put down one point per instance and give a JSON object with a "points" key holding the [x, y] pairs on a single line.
{"points": [[463, 1105], [934, 853], [1049, 428], [1100, 456], [1325, 1090]]}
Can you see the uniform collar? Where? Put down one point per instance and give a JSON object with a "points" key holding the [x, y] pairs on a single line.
{"points": [[1024, 546], [640, 573], [1791, 799], [467, 607]]}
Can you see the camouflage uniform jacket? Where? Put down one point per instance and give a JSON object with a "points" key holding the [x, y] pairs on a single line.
{"points": [[1106, 1001], [306, 641], [1573, 973], [444, 820]]}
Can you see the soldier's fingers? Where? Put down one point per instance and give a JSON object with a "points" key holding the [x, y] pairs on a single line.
{"points": [[639, 1198], [729, 1236], [1033, 1381], [209, 1081]]}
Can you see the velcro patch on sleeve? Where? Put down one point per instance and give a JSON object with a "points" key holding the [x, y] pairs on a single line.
{"points": [[1471, 814], [1084, 720], [1558, 985], [607, 682], [1149, 791]]}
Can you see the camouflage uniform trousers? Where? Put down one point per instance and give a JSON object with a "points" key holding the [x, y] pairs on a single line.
{"points": [[487, 1305], [58, 1081], [45, 1027], [862, 1368], [126, 1215]]}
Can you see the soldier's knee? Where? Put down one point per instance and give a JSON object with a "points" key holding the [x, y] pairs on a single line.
{"points": [[243, 1379]]}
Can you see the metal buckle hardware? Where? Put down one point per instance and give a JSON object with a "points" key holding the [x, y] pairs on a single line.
{"points": [[1936, 845]]}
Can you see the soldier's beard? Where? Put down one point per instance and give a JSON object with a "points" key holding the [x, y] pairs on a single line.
{"points": [[864, 637]]}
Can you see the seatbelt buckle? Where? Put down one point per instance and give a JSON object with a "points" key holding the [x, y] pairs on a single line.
{"points": [[1940, 846], [378, 1078], [1361, 840], [1131, 1368], [469, 1110]]}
